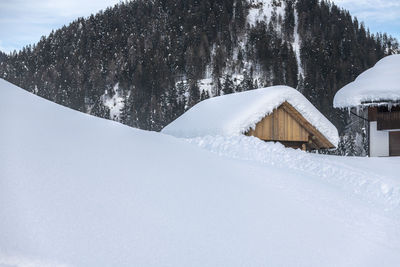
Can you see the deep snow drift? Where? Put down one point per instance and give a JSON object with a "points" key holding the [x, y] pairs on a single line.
{"points": [[76, 190], [379, 83]]}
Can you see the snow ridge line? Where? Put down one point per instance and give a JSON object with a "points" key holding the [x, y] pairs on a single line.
{"points": [[371, 187]]}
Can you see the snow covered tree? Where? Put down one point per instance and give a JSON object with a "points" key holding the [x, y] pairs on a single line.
{"points": [[228, 87]]}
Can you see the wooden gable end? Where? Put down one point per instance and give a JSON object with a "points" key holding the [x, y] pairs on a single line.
{"points": [[287, 125], [280, 126]]}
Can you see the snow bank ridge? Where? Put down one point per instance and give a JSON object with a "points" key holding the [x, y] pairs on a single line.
{"points": [[340, 172]]}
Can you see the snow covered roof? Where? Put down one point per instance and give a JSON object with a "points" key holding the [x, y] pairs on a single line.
{"points": [[235, 114], [378, 84]]}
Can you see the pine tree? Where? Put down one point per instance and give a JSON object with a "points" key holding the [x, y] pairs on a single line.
{"points": [[217, 86], [289, 20], [247, 83], [204, 95], [228, 87], [194, 93]]}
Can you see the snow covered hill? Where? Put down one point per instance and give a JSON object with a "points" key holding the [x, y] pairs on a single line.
{"points": [[76, 190]]}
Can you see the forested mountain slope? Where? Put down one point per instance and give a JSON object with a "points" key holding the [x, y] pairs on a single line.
{"points": [[144, 63]]}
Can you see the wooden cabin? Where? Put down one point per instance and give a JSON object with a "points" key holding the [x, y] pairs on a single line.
{"points": [[374, 97], [277, 113], [287, 126]]}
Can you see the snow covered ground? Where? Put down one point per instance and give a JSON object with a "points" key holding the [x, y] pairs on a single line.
{"points": [[76, 190], [375, 180]]}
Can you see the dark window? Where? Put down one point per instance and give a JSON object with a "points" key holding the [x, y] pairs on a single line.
{"points": [[372, 113], [388, 119], [394, 143]]}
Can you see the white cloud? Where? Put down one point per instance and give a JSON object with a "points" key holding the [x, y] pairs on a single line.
{"points": [[383, 10], [23, 22], [56, 8], [378, 15]]}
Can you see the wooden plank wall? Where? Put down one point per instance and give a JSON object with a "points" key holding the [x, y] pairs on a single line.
{"points": [[388, 119], [280, 126]]}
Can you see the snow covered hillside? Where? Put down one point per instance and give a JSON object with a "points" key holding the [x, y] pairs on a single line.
{"points": [[76, 190]]}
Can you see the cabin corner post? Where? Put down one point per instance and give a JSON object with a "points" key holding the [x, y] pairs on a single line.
{"points": [[368, 131], [369, 138]]}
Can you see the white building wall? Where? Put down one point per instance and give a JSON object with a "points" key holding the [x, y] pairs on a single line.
{"points": [[379, 141]]}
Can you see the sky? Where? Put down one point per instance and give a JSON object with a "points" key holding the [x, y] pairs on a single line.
{"points": [[378, 15], [23, 22]]}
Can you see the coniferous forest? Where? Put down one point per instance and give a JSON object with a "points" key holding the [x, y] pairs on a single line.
{"points": [[143, 63]]}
